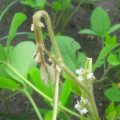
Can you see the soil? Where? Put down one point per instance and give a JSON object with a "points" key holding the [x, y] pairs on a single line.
{"points": [[18, 105]]}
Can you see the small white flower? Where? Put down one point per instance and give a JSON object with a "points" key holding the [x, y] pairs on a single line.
{"points": [[32, 27], [90, 76], [80, 78], [83, 100], [79, 109], [83, 111], [79, 71], [77, 106]]}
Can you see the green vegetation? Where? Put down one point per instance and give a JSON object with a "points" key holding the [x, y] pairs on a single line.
{"points": [[64, 71]]}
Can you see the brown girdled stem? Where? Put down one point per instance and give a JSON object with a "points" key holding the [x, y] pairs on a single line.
{"points": [[58, 61]]}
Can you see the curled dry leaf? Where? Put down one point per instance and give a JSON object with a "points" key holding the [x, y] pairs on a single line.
{"points": [[48, 74], [44, 74], [51, 70]]}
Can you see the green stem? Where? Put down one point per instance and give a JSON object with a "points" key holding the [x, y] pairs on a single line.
{"points": [[38, 91], [29, 83], [54, 19], [58, 19], [33, 104], [72, 14], [50, 5], [69, 72], [90, 94], [68, 110], [74, 77], [6, 9], [103, 76], [93, 107], [67, 116], [12, 95], [56, 95], [17, 34]]}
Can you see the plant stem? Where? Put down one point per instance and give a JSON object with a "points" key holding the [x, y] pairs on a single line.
{"points": [[90, 94], [69, 111], [29, 83], [50, 5], [38, 91], [74, 77], [6, 9], [93, 107], [72, 14], [103, 76], [17, 34], [58, 19], [68, 71], [56, 95], [67, 116], [12, 95], [33, 104], [36, 20]]}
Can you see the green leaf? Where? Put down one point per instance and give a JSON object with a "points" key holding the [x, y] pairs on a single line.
{"points": [[100, 21], [74, 85], [2, 54], [35, 76], [48, 115], [21, 58], [111, 112], [113, 94], [61, 5], [56, 6], [81, 59], [66, 3], [101, 58], [34, 3], [65, 92], [8, 83], [118, 111], [18, 19], [43, 110], [113, 59], [68, 48], [3, 57], [87, 31], [110, 40], [2, 71], [114, 28]]}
